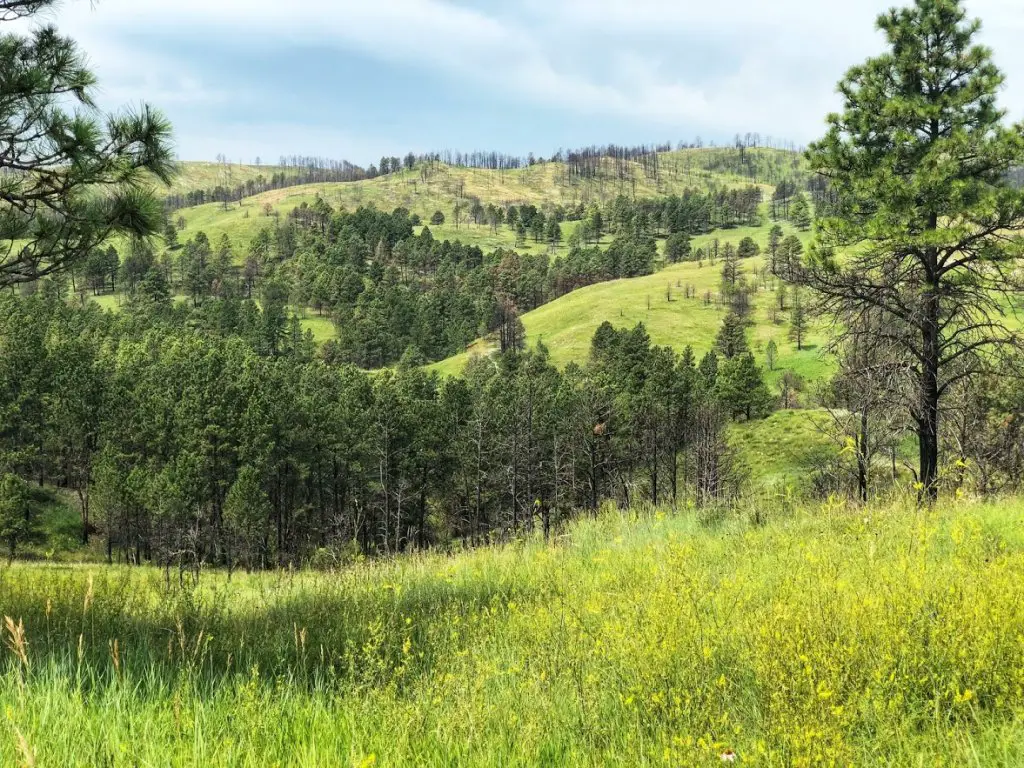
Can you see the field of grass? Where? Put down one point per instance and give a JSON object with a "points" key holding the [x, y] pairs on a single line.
{"points": [[425, 190], [321, 326], [780, 450], [567, 324], [831, 635], [197, 175]]}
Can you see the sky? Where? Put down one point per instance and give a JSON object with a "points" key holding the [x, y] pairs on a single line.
{"points": [[357, 79]]}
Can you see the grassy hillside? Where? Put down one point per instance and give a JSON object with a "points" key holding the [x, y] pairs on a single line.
{"points": [[430, 188], [567, 324], [829, 636], [198, 175], [779, 451]]}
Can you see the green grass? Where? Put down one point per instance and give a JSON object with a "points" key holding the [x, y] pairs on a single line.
{"points": [[425, 190], [322, 326], [831, 635], [197, 175], [781, 450], [566, 325], [107, 301]]}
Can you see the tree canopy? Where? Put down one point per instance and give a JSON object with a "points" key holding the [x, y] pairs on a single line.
{"points": [[70, 177], [923, 224]]}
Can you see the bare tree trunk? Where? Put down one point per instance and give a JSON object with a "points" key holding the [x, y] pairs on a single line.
{"points": [[928, 418], [863, 457]]}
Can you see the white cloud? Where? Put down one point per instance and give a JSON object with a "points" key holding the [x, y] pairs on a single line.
{"points": [[680, 67]]}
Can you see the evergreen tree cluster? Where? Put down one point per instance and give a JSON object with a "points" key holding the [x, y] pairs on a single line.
{"points": [[389, 291], [216, 434]]}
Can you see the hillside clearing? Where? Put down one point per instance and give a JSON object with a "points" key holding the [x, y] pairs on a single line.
{"points": [[433, 187], [567, 324]]}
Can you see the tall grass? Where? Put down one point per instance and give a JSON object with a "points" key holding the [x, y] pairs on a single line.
{"points": [[830, 636]]}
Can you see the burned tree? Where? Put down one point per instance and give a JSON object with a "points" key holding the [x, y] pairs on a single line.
{"points": [[865, 398]]}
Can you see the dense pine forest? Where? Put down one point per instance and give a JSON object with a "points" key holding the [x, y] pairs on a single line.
{"points": [[203, 423], [219, 435]]}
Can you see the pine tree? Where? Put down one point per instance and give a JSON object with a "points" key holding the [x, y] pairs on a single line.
{"points": [[797, 321], [537, 227], [708, 369], [800, 213], [553, 232], [247, 517], [68, 182], [747, 248], [732, 337], [595, 222], [18, 522], [520, 232], [730, 268], [919, 160], [740, 388], [775, 238], [677, 247], [790, 251]]}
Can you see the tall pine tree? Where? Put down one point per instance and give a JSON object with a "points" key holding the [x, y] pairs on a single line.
{"points": [[929, 225]]}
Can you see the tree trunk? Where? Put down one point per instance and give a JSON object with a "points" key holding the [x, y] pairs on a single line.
{"points": [[928, 418], [863, 458], [83, 501]]}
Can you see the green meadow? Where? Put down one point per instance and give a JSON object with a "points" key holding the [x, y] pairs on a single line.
{"points": [[829, 635], [566, 325]]}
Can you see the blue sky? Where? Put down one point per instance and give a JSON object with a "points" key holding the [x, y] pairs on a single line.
{"points": [[355, 80]]}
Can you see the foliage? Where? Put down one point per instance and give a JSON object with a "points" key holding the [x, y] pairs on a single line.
{"points": [[691, 315], [921, 206], [67, 182], [18, 510], [215, 434]]}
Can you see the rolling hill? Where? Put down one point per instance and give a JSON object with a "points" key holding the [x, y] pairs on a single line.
{"points": [[567, 324], [436, 186], [199, 175]]}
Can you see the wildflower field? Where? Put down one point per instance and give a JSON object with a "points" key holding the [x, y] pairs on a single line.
{"points": [[828, 636]]}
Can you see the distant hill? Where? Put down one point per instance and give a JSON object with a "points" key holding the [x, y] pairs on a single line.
{"points": [[436, 186], [567, 324], [197, 175]]}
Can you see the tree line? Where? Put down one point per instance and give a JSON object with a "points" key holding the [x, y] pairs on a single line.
{"points": [[209, 434]]}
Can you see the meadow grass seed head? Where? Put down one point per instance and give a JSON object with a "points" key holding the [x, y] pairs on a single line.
{"points": [[16, 639], [87, 601], [28, 755]]}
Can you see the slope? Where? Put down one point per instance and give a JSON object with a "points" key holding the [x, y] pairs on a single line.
{"points": [[567, 324], [434, 187], [828, 636]]}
